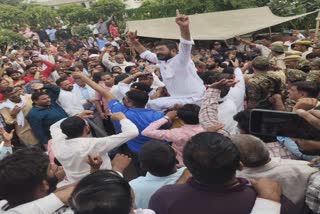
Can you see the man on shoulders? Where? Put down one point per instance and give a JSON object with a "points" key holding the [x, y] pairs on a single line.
{"points": [[177, 68]]}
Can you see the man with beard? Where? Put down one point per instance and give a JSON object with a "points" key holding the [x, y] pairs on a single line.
{"points": [[70, 103], [212, 65], [177, 69], [45, 111], [14, 110]]}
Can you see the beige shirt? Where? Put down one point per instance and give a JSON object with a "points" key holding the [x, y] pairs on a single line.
{"points": [[293, 175], [24, 133]]}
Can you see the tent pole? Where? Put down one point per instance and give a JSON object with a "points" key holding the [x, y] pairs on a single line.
{"points": [[225, 41], [317, 27], [270, 32]]}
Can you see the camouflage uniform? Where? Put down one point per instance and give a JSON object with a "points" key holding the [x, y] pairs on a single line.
{"points": [[314, 76], [261, 87], [295, 75]]}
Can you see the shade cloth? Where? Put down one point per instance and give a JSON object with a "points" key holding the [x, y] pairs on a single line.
{"points": [[212, 26]]}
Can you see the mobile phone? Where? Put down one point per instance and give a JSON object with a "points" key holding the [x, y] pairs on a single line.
{"points": [[278, 123]]}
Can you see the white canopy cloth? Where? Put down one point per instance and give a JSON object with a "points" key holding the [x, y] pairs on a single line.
{"points": [[212, 26]]}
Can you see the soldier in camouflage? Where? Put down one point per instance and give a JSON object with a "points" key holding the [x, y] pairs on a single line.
{"points": [[262, 85], [314, 74]]}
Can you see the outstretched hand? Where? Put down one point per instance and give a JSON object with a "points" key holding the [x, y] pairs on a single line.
{"points": [[132, 37], [182, 20]]}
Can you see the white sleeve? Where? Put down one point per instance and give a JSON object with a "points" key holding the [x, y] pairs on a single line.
{"points": [[157, 82], [264, 206], [56, 131], [123, 88], [45, 205], [148, 55], [105, 144], [184, 53], [237, 93]]}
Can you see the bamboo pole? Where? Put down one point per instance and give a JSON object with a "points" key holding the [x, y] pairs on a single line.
{"points": [[317, 28]]}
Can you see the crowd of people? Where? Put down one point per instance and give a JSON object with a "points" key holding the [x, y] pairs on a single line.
{"points": [[110, 124]]}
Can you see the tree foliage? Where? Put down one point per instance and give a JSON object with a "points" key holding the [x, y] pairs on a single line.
{"points": [[105, 8], [40, 15], [75, 13], [10, 38], [11, 16]]}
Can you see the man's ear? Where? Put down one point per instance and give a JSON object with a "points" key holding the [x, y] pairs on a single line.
{"points": [[42, 189], [240, 167]]}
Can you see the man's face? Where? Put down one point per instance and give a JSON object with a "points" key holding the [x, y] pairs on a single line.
{"points": [[108, 80], [202, 52], [79, 82], [43, 100], [294, 94], [15, 76], [217, 46], [33, 70], [66, 85], [100, 36], [294, 37], [163, 52], [14, 96], [291, 64], [147, 79], [133, 70], [119, 58]]}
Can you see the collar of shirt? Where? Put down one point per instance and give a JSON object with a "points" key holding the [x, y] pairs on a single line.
{"points": [[274, 162]]}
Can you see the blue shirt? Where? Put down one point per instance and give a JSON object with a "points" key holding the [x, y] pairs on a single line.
{"points": [[141, 117], [41, 118], [101, 43], [145, 186]]}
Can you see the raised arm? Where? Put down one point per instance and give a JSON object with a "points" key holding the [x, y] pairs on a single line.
{"points": [[208, 115], [251, 44], [134, 42], [183, 22], [104, 93]]}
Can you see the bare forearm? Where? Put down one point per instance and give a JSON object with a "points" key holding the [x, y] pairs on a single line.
{"points": [[139, 47], [185, 33], [104, 93], [247, 42]]}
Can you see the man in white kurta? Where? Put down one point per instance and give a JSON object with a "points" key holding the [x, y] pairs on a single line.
{"points": [[176, 67]]}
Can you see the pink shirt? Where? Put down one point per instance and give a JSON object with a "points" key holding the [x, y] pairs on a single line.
{"points": [[104, 101], [178, 136]]}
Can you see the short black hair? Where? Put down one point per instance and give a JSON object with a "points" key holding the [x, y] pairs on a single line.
{"points": [[171, 45], [21, 173], [158, 158], [312, 55], [5, 91], [219, 76], [119, 78], [60, 80], [73, 127], [37, 94], [11, 71], [189, 114], [97, 76], [138, 98], [243, 119], [102, 192], [311, 88], [30, 66], [211, 158], [141, 86]]}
